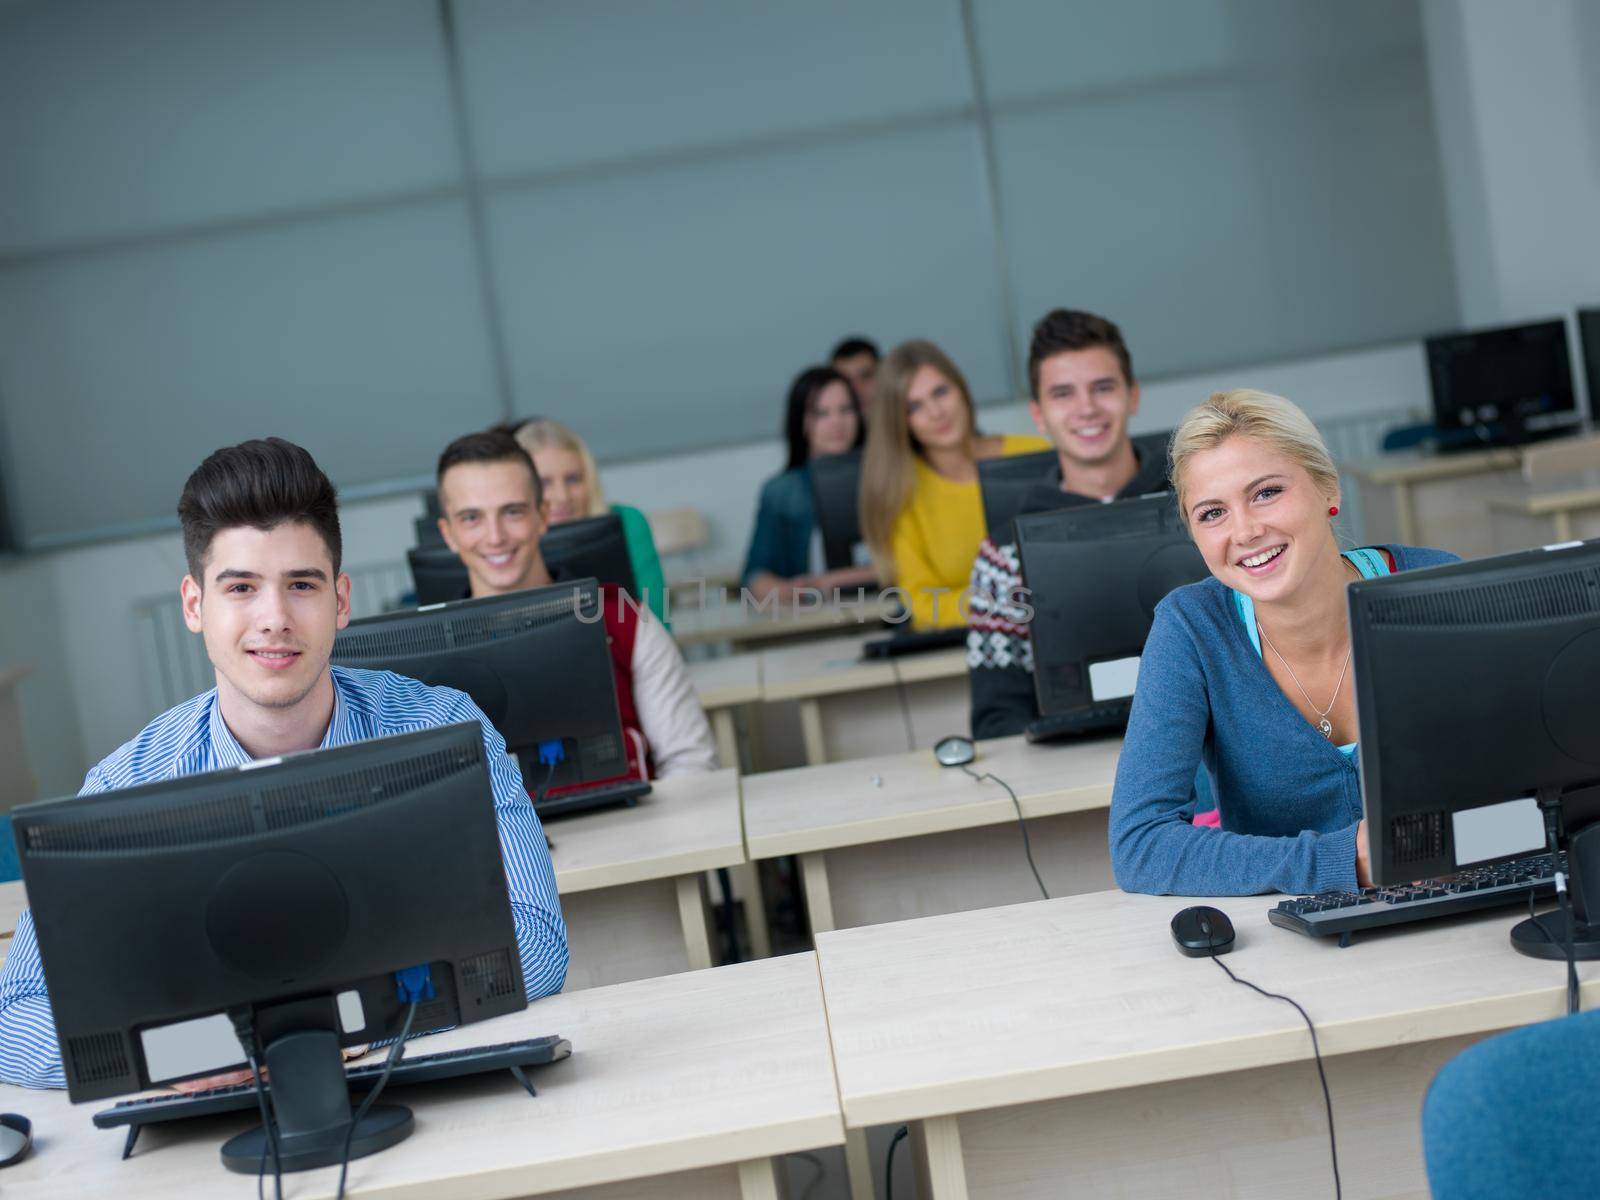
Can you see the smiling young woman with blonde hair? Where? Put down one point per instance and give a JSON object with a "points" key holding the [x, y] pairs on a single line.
{"points": [[1246, 674], [921, 513]]}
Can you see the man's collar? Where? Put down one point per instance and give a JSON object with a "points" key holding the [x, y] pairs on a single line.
{"points": [[227, 751]]}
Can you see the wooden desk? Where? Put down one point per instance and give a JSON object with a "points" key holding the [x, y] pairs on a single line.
{"points": [[693, 1082], [1065, 1047], [737, 624], [632, 879], [849, 708], [1560, 509], [1432, 499], [898, 836]]}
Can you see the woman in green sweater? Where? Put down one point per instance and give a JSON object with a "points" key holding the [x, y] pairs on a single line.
{"points": [[571, 485]]}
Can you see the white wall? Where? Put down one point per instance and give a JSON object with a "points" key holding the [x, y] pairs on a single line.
{"points": [[1517, 108]]}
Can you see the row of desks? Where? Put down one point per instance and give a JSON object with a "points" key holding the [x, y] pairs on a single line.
{"points": [[1053, 1048]]}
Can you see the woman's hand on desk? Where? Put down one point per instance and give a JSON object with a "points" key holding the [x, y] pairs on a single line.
{"points": [[1363, 858]]}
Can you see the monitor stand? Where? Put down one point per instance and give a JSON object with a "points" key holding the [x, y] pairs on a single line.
{"points": [[310, 1101], [1583, 877]]}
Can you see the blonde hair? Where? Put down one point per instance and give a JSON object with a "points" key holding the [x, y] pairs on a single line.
{"points": [[888, 464], [541, 433], [1266, 418]]}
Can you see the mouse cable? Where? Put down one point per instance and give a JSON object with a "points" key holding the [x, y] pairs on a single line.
{"points": [[1327, 1099], [888, 1166], [395, 1052], [905, 708], [1022, 824]]}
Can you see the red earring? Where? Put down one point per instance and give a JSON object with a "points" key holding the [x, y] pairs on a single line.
{"points": [[1333, 510]]}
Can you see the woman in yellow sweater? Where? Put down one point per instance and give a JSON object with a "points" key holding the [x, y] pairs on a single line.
{"points": [[921, 513]]}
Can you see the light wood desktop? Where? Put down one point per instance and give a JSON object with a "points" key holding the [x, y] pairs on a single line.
{"points": [[732, 622], [850, 707], [724, 687], [1067, 1048], [1417, 499], [632, 880], [687, 1086], [897, 836], [1556, 509]]}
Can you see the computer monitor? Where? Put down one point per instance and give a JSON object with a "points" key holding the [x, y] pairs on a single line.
{"points": [[283, 896], [1094, 575], [1589, 340], [1502, 387], [1021, 482], [536, 663], [427, 532], [591, 546], [437, 573], [835, 496], [1478, 705]]}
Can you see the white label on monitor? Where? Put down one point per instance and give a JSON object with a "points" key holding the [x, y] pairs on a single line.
{"points": [[352, 1017], [205, 1044], [1113, 680], [1561, 546], [1496, 830]]}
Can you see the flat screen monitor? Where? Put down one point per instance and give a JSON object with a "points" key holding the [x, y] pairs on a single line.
{"points": [[591, 546], [1022, 483], [288, 892], [1094, 575], [835, 496], [1589, 339], [535, 662], [1477, 694], [1502, 387]]}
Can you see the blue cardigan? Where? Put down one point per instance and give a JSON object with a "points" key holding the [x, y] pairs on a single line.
{"points": [[1290, 801], [781, 541]]}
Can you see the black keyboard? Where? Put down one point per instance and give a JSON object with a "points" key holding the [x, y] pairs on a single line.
{"points": [[1339, 914], [584, 797], [1080, 722], [899, 644], [421, 1068]]}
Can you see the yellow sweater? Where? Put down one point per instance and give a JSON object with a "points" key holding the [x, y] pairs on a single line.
{"points": [[937, 536]]}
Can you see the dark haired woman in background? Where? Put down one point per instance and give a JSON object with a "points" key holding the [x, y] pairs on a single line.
{"points": [[823, 418]]}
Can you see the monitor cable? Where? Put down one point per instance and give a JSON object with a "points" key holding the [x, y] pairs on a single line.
{"points": [[395, 1053], [1322, 1075], [1022, 823], [244, 1029], [888, 1166]]}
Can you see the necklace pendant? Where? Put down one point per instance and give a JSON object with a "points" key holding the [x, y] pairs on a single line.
{"points": [[1327, 729]]}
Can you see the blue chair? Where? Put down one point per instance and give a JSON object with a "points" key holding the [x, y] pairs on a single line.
{"points": [[1518, 1115], [10, 868]]}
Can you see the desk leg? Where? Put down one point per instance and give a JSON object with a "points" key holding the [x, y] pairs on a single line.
{"points": [[858, 1164], [811, 731], [819, 900], [692, 913], [1405, 513], [761, 1179], [727, 736], [1563, 526], [942, 1159]]}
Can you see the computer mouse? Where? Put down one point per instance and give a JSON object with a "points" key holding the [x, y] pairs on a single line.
{"points": [[954, 751], [1202, 931]]}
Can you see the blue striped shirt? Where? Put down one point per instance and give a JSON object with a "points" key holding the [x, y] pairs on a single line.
{"points": [[193, 737]]}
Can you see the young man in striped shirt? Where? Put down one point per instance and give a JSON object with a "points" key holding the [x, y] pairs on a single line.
{"points": [[264, 589], [1084, 394]]}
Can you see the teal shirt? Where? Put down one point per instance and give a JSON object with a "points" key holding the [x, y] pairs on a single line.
{"points": [[646, 562], [1369, 562]]}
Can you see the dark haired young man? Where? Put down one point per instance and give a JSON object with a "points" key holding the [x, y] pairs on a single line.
{"points": [[857, 358], [264, 589], [1084, 393], [490, 505]]}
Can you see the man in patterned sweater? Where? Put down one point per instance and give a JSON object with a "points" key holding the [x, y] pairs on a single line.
{"points": [[1084, 393]]}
